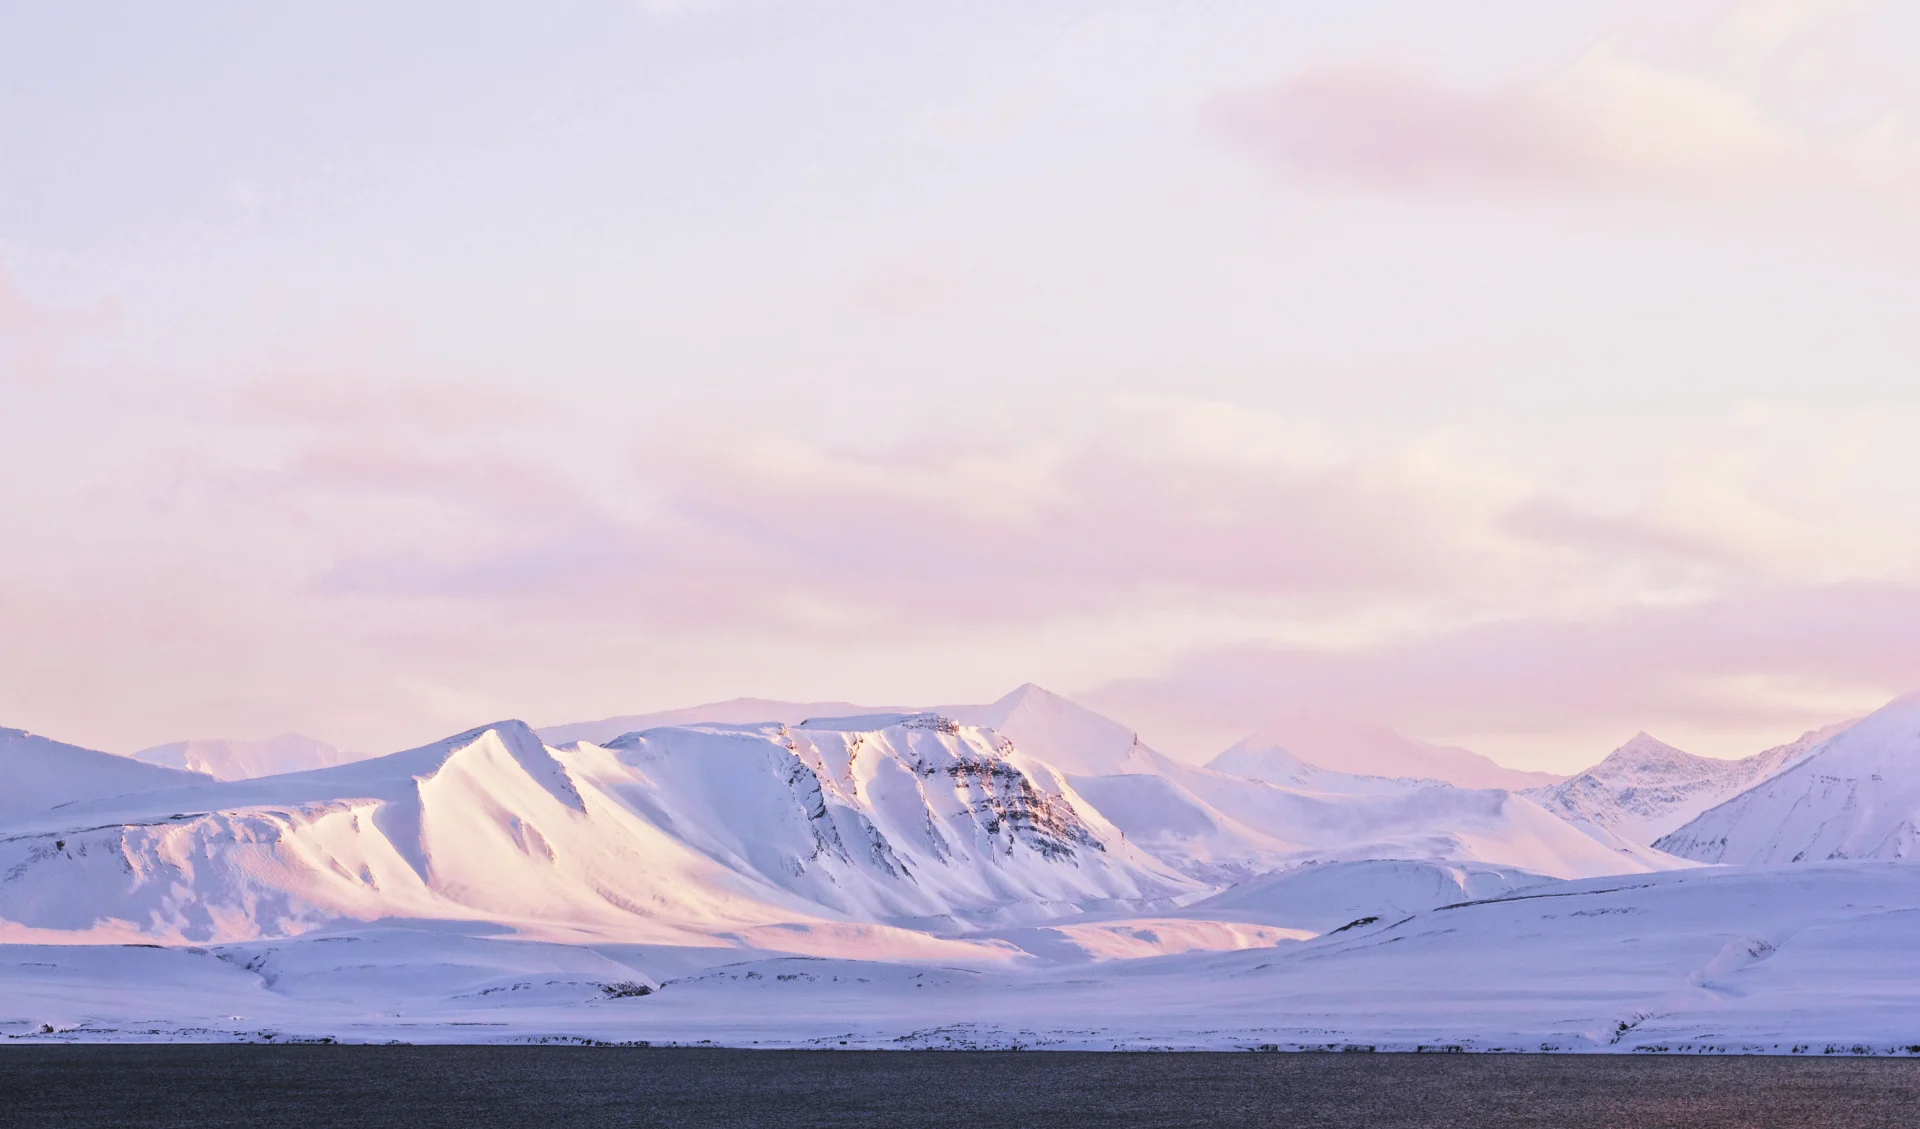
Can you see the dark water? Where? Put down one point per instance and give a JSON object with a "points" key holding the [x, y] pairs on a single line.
{"points": [[316, 1087]]}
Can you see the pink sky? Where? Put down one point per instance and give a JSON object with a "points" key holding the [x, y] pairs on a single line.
{"points": [[1518, 379]]}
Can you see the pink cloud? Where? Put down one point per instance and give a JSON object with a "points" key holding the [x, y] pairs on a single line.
{"points": [[1602, 123], [1394, 129], [367, 403], [1696, 664], [26, 336], [380, 566], [904, 287]]}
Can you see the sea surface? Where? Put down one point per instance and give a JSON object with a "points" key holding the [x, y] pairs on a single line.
{"points": [[314, 1087]]}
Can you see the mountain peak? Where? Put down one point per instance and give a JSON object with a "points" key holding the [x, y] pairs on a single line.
{"points": [[231, 759], [1028, 692], [1644, 746], [1057, 730]]}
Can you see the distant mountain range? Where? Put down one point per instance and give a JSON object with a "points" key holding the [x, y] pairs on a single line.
{"points": [[1646, 788], [997, 840]]}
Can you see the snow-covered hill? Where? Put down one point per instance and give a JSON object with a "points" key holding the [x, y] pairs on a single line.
{"points": [[1646, 788], [1854, 796], [40, 773], [226, 759]]}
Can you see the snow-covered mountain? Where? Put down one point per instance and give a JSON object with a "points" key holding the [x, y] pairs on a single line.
{"points": [[1376, 751], [1065, 734], [1223, 827], [918, 879], [1646, 788], [226, 759], [1854, 796], [898, 827], [674, 835]]}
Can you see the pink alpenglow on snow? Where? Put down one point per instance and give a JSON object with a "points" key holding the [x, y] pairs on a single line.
{"points": [[1372, 423]]}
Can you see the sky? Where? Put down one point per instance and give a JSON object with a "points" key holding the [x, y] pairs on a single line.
{"points": [[1512, 375]]}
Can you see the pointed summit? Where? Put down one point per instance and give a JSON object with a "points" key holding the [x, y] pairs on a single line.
{"points": [[1646, 788], [1048, 727]]}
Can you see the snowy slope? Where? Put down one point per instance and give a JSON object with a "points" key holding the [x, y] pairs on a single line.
{"points": [[225, 759], [1221, 827], [40, 773], [1815, 959], [1857, 796], [1274, 765], [1377, 751], [1646, 788], [1323, 897], [1065, 734]]}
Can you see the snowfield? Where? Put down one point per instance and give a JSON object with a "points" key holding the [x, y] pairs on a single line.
{"points": [[1024, 873]]}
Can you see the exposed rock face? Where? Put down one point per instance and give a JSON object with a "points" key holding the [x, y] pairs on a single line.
{"points": [[1646, 788]]}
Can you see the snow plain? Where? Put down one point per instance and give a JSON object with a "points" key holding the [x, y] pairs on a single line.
{"points": [[1024, 873]]}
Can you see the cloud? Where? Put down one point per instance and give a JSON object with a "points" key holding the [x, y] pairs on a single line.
{"points": [[1759, 30], [904, 287], [364, 403], [1260, 564], [1148, 507], [1605, 123], [1161, 504], [27, 336], [1772, 659]]}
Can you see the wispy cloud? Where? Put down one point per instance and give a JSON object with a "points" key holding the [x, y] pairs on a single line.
{"points": [[1604, 123]]}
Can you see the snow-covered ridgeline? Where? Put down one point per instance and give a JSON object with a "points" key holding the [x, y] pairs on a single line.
{"points": [[1646, 788], [500, 878]]}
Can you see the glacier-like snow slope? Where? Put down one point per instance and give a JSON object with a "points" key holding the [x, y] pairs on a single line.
{"points": [[38, 773], [1222, 828], [226, 759], [1646, 788], [1814, 959], [1856, 796], [1374, 752], [1272, 764]]}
